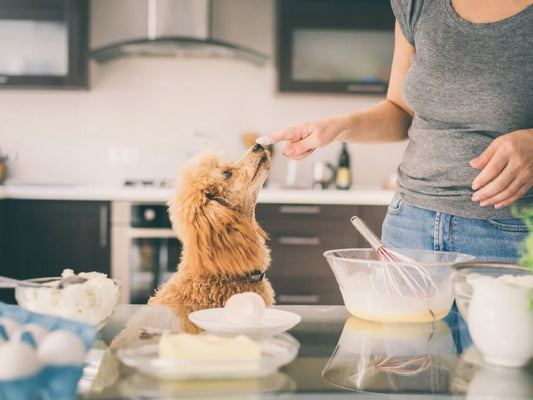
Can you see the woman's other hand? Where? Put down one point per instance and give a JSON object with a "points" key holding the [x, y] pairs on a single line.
{"points": [[506, 169]]}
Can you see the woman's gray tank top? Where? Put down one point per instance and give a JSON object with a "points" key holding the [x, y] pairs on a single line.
{"points": [[468, 84]]}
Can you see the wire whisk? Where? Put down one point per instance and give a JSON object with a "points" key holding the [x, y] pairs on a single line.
{"points": [[400, 270]]}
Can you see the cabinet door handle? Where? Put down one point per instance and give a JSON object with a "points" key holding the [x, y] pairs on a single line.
{"points": [[299, 210], [156, 233], [298, 298], [103, 225], [299, 241]]}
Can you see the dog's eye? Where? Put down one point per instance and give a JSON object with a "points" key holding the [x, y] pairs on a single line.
{"points": [[227, 174]]}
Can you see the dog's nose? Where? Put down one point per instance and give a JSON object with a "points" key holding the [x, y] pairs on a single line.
{"points": [[257, 147]]}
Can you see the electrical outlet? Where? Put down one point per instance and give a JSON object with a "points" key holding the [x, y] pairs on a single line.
{"points": [[123, 155]]}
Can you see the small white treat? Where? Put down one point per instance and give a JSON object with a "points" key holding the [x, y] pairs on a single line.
{"points": [[10, 326], [264, 140], [37, 331], [21, 359], [245, 308], [61, 347]]}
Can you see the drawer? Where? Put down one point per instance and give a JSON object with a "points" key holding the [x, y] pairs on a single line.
{"points": [[304, 217], [288, 227], [305, 274], [306, 290], [304, 211]]}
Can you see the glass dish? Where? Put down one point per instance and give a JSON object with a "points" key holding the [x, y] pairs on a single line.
{"points": [[379, 291], [276, 351], [394, 357], [70, 302]]}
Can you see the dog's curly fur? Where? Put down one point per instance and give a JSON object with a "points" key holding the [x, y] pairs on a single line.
{"points": [[213, 214]]}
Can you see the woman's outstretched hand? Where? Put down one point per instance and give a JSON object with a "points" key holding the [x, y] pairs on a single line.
{"points": [[506, 169], [302, 139]]}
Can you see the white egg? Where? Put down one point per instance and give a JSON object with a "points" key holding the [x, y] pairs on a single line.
{"points": [[37, 331], [245, 308], [61, 347], [10, 326], [19, 360]]}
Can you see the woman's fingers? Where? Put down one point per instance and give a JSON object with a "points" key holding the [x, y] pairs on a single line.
{"points": [[482, 160], [299, 139], [292, 134], [491, 168], [504, 187], [510, 200], [295, 154]]}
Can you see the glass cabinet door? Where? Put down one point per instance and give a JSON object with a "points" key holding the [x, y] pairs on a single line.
{"points": [[43, 43], [33, 48], [337, 46], [327, 55]]}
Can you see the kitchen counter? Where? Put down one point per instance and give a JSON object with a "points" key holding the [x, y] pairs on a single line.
{"points": [[355, 196], [339, 357]]}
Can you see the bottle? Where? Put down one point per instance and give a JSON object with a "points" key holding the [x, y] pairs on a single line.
{"points": [[343, 178]]}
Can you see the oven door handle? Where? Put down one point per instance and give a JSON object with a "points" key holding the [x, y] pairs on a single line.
{"points": [[104, 226], [151, 233]]}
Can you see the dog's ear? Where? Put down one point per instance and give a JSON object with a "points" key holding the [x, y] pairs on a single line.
{"points": [[189, 192], [222, 240]]}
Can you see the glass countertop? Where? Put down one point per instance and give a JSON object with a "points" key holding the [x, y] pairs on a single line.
{"points": [[339, 357]]}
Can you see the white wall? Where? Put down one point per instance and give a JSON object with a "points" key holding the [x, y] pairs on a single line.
{"points": [[156, 106]]}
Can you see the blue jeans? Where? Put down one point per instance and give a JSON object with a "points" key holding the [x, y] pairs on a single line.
{"points": [[488, 240]]}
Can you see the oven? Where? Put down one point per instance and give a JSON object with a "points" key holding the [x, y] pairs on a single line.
{"points": [[145, 251]]}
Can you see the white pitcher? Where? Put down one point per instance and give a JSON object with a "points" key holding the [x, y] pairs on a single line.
{"points": [[500, 319]]}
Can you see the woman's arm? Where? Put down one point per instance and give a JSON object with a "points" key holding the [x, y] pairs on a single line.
{"points": [[387, 121]]}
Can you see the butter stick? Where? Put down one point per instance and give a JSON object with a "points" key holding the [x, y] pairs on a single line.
{"points": [[185, 346]]}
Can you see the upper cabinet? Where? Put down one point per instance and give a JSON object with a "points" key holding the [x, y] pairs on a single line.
{"points": [[342, 46], [43, 43]]}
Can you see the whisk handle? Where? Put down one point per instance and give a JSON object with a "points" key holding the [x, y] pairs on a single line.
{"points": [[366, 232]]}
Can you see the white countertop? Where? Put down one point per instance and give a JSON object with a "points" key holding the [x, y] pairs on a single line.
{"points": [[362, 195]]}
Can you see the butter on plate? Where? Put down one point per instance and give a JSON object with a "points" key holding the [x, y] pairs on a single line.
{"points": [[184, 356], [205, 348]]}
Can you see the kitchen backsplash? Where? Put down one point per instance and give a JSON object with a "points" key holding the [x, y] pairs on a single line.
{"points": [[145, 117]]}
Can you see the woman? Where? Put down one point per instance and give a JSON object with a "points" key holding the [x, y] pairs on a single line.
{"points": [[461, 89]]}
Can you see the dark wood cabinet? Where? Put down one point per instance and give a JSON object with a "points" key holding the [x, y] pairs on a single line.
{"points": [[5, 295], [299, 235], [44, 237], [51, 39]]}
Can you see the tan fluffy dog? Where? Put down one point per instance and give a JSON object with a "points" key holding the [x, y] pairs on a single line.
{"points": [[223, 247]]}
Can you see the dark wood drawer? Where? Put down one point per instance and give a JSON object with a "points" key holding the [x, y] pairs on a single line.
{"points": [[299, 235]]}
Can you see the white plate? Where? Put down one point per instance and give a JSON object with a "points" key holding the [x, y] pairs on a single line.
{"points": [[273, 321], [276, 351]]}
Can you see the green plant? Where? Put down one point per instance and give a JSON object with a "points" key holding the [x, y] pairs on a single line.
{"points": [[526, 259]]}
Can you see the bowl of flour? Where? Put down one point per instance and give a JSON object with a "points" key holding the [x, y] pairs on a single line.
{"points": [[92, 301]]}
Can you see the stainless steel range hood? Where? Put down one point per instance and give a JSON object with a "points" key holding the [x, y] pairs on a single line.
{"points": [[160, 28]]}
